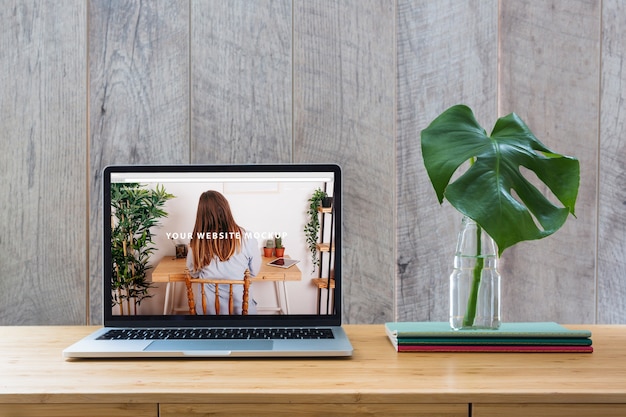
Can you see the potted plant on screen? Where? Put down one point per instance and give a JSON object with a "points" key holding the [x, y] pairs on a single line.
{"points": [[135, 210], [279, 249], [312, 227], [268, 249], [501, 207]]}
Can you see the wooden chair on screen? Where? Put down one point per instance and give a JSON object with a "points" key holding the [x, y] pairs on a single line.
{"points": [[220, 285]]}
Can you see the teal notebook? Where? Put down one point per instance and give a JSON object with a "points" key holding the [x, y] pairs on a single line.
{"points": [[400, 330], [504, 341]]}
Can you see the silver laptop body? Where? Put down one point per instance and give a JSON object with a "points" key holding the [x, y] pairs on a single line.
{"points": [[267, 201]]}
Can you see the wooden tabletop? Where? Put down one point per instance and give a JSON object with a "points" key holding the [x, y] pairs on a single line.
{"points": [[32, 370], [170, 269]]}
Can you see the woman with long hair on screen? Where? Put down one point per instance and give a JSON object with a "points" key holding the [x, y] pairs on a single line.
{"points": [[221, 249]]}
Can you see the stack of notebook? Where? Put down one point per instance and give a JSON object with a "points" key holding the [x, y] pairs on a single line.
{"points": [[510, 337]]}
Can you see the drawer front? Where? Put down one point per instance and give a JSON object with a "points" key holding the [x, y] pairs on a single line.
{"points": [[310, 410], [548, 410], [79, 410]]}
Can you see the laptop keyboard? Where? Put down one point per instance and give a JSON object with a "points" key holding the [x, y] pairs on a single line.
{"points": [[217, 333]]}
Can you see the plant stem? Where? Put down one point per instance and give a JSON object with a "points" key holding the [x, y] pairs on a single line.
{"points": [[119, 297], [470, 313]]}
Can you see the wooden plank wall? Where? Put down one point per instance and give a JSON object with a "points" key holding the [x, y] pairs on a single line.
{"points": [[91, 83], [43, 190], [138, 100], [241, 81], [446, 55], [557, 94], [344, 113], [611, 228]]}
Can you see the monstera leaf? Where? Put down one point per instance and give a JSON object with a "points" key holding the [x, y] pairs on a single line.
{"points": [[494, 191]]}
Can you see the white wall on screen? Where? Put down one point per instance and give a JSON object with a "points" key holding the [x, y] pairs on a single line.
{"points": [[261, 208]]}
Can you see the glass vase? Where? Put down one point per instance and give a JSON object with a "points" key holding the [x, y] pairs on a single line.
{"points": [[475, 281]]}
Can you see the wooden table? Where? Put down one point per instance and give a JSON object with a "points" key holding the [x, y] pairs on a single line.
{"points": [[36, 381], [172, 270]]}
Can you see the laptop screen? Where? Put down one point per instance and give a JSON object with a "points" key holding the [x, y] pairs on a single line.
{"points": [[272, 233]]}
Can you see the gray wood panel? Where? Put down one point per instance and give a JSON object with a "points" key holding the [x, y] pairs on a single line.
{"points": [[241, 81], [612, 168], [344, 88], [91, 83], [139, 99], [550, 77], [42, 163], [447, 54]]}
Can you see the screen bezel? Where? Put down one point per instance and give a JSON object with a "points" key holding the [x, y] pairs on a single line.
{"points": [[111, 320]]}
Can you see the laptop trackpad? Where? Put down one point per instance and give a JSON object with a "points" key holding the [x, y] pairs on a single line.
{"points": [[208, 345]]}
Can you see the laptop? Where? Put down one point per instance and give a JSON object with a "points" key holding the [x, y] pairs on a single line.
{"points": [[161, 314]]}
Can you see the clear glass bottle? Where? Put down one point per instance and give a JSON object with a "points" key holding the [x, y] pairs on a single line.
{"points": [[475, 281]]}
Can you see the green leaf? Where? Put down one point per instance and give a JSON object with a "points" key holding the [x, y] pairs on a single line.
{"points": [[485, 191]]}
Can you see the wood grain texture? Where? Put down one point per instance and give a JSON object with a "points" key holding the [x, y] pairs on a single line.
{"points": [[313, 410], [548, 410], [241, 81], [42, 163], [91, 83], [344, 113], [34, 372], [82, 410], [447, 54], [550, 78], [612, 168], [139, 99]]}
